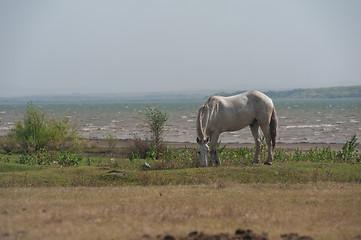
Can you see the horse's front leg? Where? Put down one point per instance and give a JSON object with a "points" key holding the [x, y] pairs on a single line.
{"points": [[214, 161]]}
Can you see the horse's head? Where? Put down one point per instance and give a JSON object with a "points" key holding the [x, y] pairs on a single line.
{"points": [[203, 151]]}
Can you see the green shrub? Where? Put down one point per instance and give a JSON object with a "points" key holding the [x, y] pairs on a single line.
{"points": [[69, 159], [237, 156], [349, 154], [314, 155], [37, 131]]}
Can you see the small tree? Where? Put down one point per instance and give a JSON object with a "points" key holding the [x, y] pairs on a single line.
{"points": [[156, 119]]}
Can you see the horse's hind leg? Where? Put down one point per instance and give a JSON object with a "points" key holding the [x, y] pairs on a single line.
{"points": [[267, 134], [255, 132]]}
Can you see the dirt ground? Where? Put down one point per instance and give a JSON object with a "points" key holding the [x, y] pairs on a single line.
{"points": [[271, 211], [240, 234]]}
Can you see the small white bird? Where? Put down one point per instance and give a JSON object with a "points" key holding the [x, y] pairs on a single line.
{"points": [[146, 165]]}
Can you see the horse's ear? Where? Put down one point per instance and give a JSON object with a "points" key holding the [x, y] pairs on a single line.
{"points": [[198, 140]]}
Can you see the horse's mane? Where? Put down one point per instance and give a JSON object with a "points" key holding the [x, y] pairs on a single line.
{"points": [[206, 113]]}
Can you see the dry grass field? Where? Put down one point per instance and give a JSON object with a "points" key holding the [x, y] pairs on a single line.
{"points": [[323, 210], [107, 195]]}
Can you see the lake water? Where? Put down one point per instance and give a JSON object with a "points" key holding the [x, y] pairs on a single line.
{"points": [[300, 120]]}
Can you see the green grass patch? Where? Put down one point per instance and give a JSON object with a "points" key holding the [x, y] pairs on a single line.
{"points": [[180, 167], [6, 167], [16, 175]]}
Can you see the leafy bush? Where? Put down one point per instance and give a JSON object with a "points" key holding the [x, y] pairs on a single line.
{"points": [[43, 157], [38, 131]]}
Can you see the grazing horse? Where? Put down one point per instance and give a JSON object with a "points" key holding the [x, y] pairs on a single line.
{"points": [[225, 114]]}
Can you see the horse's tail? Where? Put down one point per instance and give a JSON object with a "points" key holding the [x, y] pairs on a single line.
{"points": [[273, 127]]}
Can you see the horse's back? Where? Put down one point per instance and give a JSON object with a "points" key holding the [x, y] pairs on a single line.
{"points": [[260, 98], [249, 99], [238, 111]]}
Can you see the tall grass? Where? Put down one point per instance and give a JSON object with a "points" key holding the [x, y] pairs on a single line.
{"points": [[181, 158], [244, 156]]}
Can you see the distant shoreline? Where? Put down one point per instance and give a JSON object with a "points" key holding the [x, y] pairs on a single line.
{"points": [[299, 93]]}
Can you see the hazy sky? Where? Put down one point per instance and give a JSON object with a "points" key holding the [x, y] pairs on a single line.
{"points": [[104, 46]]}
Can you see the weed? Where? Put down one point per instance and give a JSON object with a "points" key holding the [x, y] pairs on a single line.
{"points": [[280, 155], [349, 152], [219, 184], [140, 148], [88, 161], [264, 152], [8, 144]]}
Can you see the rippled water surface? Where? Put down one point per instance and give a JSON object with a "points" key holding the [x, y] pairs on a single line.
{"points": [[300, 120]]}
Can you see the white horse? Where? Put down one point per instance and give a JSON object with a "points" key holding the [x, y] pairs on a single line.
{"points": [[225, 114]]}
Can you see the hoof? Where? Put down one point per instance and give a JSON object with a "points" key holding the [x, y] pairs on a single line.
{"points": [[267, 163]]}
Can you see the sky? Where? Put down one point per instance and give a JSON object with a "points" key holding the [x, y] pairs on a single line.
{"points": [[55, 47]]}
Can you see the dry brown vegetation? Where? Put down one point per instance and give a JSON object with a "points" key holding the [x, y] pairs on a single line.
{"points": [[321, 210]]}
